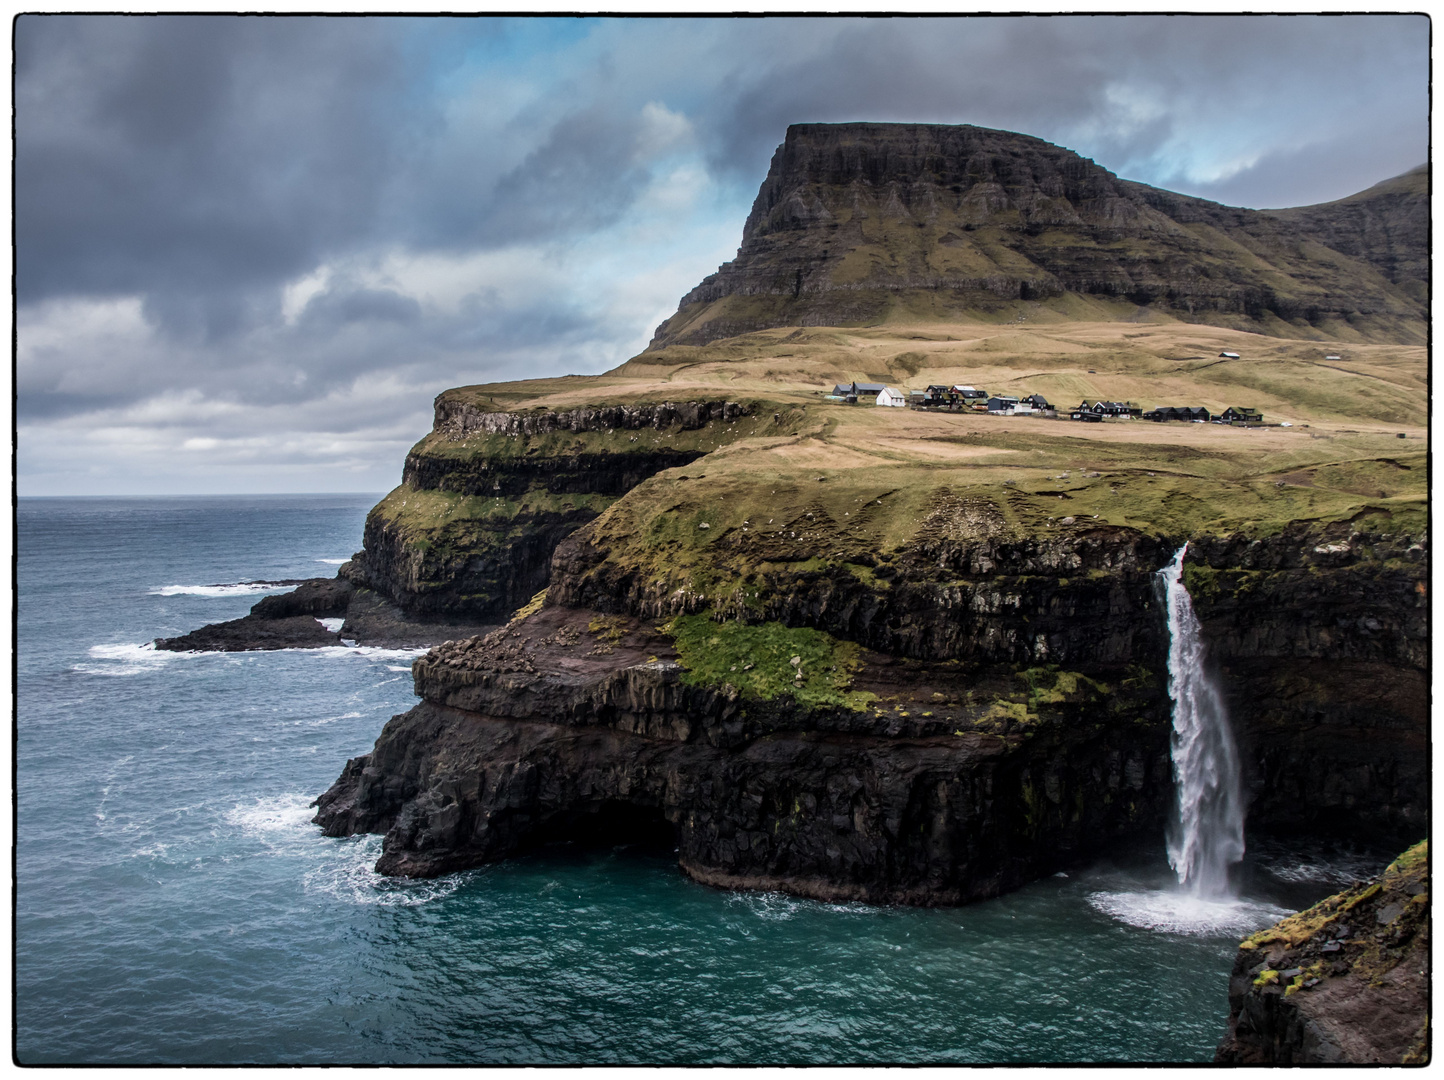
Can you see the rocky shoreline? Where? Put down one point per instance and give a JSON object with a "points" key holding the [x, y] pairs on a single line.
{"points": [[1344, 983], [569, 716], [292, 620]]}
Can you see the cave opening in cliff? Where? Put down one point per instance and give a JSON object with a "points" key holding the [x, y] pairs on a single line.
{"points": [[610, 823]]}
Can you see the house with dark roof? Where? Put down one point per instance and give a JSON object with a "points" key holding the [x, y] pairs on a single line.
{"points": [[1113, 408], [1235, 414], [1178, 412]]}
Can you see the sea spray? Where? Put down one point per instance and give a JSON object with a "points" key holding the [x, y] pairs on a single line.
{"points": [[1206, 835]]}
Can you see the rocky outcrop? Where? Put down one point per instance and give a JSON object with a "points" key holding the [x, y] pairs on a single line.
{"points": [[568, 722], [1018, 716], [292, 620], [854, 219], [288, 620], [1344, 983]]}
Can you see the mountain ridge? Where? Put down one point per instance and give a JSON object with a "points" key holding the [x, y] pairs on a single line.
{"points": [[860, 224]]}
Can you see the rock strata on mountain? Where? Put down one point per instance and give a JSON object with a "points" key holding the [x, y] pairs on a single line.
{"points": [[1344, 983], [1386, 226], [857, 224]]}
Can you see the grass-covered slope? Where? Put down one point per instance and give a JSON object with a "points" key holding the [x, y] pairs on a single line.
{"points": [[875, 224]]}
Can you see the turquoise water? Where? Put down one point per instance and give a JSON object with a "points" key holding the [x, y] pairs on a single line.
{"points": [[175, 905]]}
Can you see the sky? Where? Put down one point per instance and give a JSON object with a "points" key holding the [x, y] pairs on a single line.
{"points": [[251, 251]]}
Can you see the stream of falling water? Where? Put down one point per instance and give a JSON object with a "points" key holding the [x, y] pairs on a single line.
{"points": [[1205, 837]]}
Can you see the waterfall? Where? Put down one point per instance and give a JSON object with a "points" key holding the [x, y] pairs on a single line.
{"points": [[1205, 836]]}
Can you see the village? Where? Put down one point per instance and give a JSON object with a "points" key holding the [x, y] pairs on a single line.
{"points": [[972, 399]]}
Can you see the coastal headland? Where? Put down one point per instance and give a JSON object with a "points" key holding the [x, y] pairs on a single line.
{"points": [[917, 655]]}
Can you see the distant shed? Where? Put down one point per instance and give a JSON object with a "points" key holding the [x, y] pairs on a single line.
{"points": [[1229, 355]]}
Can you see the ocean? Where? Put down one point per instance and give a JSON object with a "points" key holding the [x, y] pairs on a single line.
{"points": [[174, 904]]}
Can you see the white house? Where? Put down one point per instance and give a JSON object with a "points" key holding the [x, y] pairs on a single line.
{"points": [[1229, 355], [895, 398]]}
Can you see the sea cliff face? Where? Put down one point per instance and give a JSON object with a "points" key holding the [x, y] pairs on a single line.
{"points": [[925, 791], [488, 495], [987, 730]]}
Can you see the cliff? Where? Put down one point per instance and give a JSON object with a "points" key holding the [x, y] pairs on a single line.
{"points": [[939, 727], [902, 655], [1344, 983], [488, 495], [862, 223]]}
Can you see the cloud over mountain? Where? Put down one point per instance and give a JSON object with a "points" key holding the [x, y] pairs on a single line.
{"points": [[272, 217]]}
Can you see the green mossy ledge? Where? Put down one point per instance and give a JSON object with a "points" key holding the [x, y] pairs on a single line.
{"points": [[486, 497]]}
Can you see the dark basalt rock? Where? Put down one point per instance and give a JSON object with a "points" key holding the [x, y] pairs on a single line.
{"points": [[528, 733], [291, 621], [524, 730], [1344, 983], [250, 634]]}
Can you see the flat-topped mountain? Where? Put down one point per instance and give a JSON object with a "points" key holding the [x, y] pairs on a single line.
{"points": [[860, 224]]}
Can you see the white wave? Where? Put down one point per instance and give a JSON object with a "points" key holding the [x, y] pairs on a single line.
{"points": [[123, 659], [1171, 912], [348, 877], [1335, 870], [323, 721], [279, 816], [373, 652], [333, 562], [342, 869], [393, 667], [240, 588], [770, 906], [333, 625]]}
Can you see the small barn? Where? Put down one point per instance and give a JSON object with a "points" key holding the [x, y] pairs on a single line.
{"points": [[1229, 355], [895, 399]]}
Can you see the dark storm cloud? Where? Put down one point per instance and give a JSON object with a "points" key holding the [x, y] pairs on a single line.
{"points": [[336, 307], [1119, 89], [195, 168], [182, 158]]}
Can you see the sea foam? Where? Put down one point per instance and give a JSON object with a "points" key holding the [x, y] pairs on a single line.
{"points": [[340, 869], [1176, 912], [124, 658], [240, 588]]}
